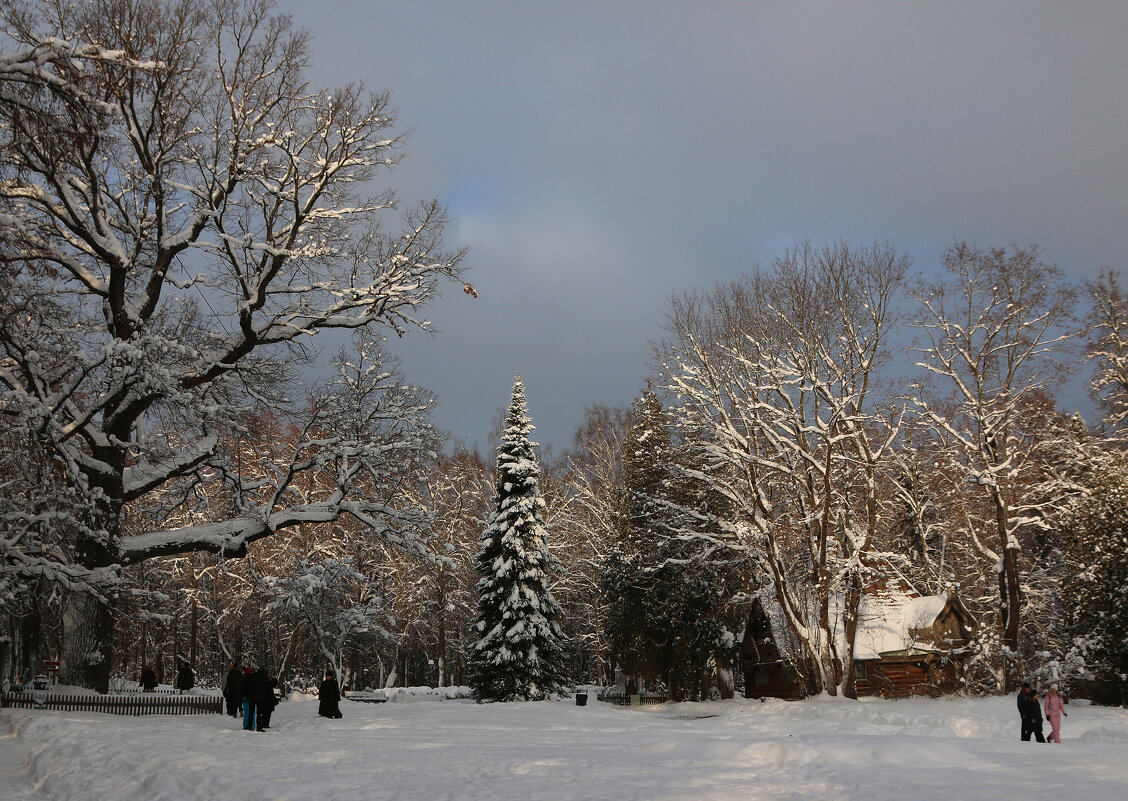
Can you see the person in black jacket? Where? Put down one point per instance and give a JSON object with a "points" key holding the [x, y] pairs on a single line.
{"points": [[255, 689], [1031, 712], [148, 679], [233, 690], [269, 702], [185, 678], [329, 696]]}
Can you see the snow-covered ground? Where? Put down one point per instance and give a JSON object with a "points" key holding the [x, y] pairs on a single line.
{"points": [[820, 749]]}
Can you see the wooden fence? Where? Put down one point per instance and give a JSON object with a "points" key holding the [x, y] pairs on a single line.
{"points": [[645, 699], [141, 704]]}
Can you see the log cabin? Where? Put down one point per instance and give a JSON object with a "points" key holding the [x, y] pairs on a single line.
{"points": [[906, 644]]}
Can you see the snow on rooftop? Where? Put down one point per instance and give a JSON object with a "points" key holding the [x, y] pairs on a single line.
{"points": [[889, 622]]}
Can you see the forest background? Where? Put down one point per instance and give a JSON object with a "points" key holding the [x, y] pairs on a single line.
{"points": [[182, 480]]}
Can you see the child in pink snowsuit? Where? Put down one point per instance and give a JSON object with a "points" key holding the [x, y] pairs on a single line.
{"points": [[1055, 708]]}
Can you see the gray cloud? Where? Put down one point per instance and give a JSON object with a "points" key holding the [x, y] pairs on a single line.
{"points": [[596, 156]]}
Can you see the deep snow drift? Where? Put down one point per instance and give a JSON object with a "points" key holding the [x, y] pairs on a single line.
{"points": [[820, 749]]}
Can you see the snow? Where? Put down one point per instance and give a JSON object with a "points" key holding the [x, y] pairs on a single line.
{"points": [[870, 750]]}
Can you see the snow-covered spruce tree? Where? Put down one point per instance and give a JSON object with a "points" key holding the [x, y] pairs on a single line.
{"points": [[666, 589], [628, 584], [180, 214], [518, 654]]}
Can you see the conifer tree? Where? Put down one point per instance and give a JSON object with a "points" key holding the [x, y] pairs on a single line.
{"points": [[664, 597], [518, 653], [1097, 581]]}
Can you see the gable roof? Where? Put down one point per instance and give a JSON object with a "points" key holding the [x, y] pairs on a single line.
{"points": [[888, 624], [894, 619]]}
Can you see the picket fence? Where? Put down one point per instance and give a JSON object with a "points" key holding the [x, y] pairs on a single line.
{"points": [[133, 704]]}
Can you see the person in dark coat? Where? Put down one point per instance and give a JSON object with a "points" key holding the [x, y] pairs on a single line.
{"points": [[329, 696], [148, 679], [255, 689], [269, 702], [1031, 712], [233, 690], [185, 678], [248, 708]]}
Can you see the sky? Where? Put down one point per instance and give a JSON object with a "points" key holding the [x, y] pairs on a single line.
{"points": [[597, 156]]}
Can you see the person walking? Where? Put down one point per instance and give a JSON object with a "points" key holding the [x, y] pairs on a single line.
{"points": [[329, 697], [269, 702], [1055, 708], [256, 689], [185, 678], [1031, 712], [233, 689], [148, 679], [248, 704]]}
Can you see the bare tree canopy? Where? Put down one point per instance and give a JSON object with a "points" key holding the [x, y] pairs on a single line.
{"points": [[777, 376], [998, 328], [181, 215]]}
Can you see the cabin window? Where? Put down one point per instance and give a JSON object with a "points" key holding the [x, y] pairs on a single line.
{"points": [[762, 676], [861, 671]]}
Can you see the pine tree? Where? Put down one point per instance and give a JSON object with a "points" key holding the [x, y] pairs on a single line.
{"points": [[518, 654], [663, 599], [627, 583]]}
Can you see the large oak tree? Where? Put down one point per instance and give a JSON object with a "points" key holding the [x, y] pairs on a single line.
{"points": [[182, 213]]}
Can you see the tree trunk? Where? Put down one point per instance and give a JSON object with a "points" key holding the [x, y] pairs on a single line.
{"points": [[852, 601], [442, 649], [195, 626], [1009, 596], [30, 636], [88, 630], [88, 621]]}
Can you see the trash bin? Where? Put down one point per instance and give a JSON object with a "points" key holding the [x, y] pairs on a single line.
{"points": [[581, 699]]}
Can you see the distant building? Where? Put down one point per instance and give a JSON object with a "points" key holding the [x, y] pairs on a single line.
{"points": [[906, 644]]}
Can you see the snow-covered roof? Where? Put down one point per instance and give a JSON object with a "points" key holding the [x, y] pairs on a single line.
{"points": [[893, 617], [888, 622]]}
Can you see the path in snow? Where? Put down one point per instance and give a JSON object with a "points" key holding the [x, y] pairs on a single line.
{"points": [[13, 762]]}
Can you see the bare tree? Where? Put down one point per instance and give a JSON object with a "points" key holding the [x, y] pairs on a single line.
{"points": [[458, 492], [779, 374], [585, 519], [1108, 347], [181, 212], [997, 332]]}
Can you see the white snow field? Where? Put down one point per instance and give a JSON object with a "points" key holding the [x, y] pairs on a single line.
{"points": [[832, 749]]}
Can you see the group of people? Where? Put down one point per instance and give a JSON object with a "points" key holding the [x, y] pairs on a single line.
{"points": [[1030, 706], [250, 693], [185, 678]]}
